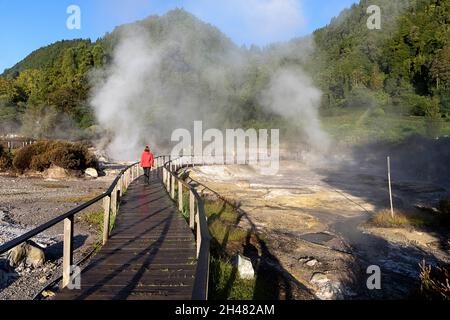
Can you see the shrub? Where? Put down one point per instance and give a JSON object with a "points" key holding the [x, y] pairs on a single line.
{"points": [[41, 155], [377, 113], [400, 219], [5, 158]]}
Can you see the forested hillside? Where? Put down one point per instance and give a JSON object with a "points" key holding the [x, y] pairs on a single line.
{"points": [[402, 70], [405, 64]]}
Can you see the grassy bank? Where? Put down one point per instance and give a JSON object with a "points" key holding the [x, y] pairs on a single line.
{"points": [[363, 126]]}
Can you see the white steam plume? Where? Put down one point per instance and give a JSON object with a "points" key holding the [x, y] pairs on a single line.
{"points": [[292, 95]]}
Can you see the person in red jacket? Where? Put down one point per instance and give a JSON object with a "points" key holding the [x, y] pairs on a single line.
{"points": [[147, 162]]}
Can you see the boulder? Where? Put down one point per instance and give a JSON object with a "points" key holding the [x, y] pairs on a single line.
{"points": [[29, 253], [245, 267], [91, 172], [58, 173]]}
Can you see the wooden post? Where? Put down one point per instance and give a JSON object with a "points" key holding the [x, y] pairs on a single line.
{"points": [[121, 186], [67, 251], [191, 210], [172, 193], [180, 196], [390, 186], [169, 181], [106, 218], [166, 178], [199, 233], [114, 201]]}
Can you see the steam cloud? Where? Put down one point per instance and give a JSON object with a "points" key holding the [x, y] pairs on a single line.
{"points": [[154, 87], [292, 95]]}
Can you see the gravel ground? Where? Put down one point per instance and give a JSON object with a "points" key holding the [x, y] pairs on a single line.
{"points": [[26, 203]]}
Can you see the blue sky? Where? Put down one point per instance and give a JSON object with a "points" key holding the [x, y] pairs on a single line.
{"points": [[28, 25]]}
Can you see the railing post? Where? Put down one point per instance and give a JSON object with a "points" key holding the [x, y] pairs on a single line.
{"points": [[67, 251], [191, 210], [121, 186], [180, 196], [164, 176], [106, 218], [114, 201], [169, 181], [172, 187], [199, 231]]}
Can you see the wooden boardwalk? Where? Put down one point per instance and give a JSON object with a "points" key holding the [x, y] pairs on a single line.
{"points": [[151, 254]]}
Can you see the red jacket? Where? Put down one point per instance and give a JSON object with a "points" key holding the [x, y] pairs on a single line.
{"points": [[147, 159]]}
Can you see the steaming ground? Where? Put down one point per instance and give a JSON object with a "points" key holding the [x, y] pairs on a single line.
{"points": [[311, 218]]}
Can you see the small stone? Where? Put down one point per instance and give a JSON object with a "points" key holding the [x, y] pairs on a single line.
{"points": [[48, 294], [319, 278], [311, 263], [326, 288], [43, 280], [245, 267], [91, 172]]}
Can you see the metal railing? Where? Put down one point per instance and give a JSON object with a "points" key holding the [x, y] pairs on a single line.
{"points": [[111, 200], [197, 220]]}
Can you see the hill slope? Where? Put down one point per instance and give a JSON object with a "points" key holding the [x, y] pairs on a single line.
{"points": [[403, 69]]}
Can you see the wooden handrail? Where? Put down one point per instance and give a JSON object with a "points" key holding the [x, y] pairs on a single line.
{"points": [[111, 201], [197, 221]]}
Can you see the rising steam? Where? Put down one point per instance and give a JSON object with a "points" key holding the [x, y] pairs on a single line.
{"points": [[154, 87], [292, 95]]}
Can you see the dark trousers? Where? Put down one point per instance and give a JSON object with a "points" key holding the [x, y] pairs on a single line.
{"points": [[147, 174]]}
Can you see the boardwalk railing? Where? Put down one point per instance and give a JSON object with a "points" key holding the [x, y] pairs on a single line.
{"points": [[167, 169], [111, 200], [197, 220], [16, 143]]}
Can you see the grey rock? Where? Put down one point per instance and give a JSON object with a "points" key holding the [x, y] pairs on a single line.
{"points": [[311, 263], [91, 172], [245, 267], [327, 289], [28, 253]]}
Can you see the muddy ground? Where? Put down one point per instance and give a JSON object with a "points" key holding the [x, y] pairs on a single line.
{"points": [[312, 218], [26, 203]]}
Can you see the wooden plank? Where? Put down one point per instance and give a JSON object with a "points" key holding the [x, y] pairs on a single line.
{"points": [[151, 253]]}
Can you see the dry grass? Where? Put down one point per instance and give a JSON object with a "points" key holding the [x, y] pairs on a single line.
{"points": [[400, 219], [435, 282]]}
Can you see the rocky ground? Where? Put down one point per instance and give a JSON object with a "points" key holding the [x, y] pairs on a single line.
{"points": [[27, 202], [312, 222]]}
